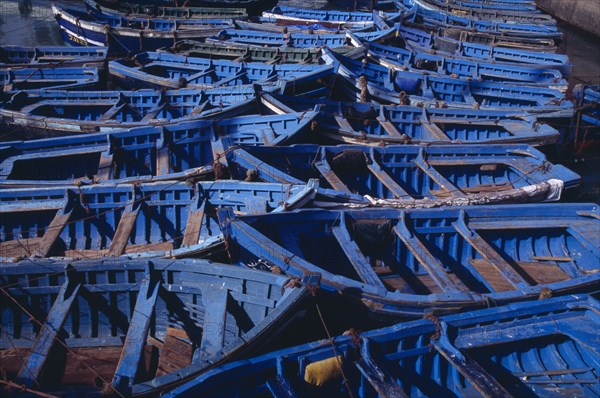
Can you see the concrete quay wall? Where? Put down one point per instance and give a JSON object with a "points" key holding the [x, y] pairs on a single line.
{"points": [[584, 14]]}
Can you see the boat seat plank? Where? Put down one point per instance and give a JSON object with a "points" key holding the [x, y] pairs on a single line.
{"points": [[215, 302], [433, 266], [487, 252], [58, 223], [437, 133], [343, 123], [194, 221], [105, 165], [436, 176], [57, 316], [375, 168], [126, 224], [389, 128], [490, 275], [136, 335], [355, 255], [265, 172], [325, 169], [543, 272], [163, 160]]}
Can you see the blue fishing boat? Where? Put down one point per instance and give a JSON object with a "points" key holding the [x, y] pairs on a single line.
{"points": [[117, 9], [403, 262], [53, 78], [127, 35], [364, 81], [174, 152], [505, 13], [424, 42], [404, 172], [328, 18], [509, 28], [51, 56], [132, 327], [252, 7], [487, 38], [271, 25], [169, 219], [400, 59], [164, 70], [297, 40], [362, 123], [54, 113], [534, 349], [246, 52]]}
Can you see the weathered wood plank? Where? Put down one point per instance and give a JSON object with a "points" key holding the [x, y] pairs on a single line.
{"points": [[126, 224], [48, 334], [215, 302], [174, 352], [56, 226], [433, 266], [436, 176], [194, 220], [543, 272], [375, 168], [486, 251], [105, 166], [355, 256], [490, 275], [136, 335], [325, 169]]}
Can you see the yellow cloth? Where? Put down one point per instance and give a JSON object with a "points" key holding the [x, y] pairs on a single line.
{"points": [[319, 373]]}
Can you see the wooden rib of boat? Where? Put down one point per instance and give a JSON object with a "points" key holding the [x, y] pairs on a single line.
{"points": [[117, 9], [128, 35], [405, 262], [365, 81], [298, 40], [534, 349], [132, 327], [421, 41], [175, 152], [56, 113], [400, 59], [498, 14], [144, 220], [53, 78], [164, 70], [402, 172], [51, 56]]}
